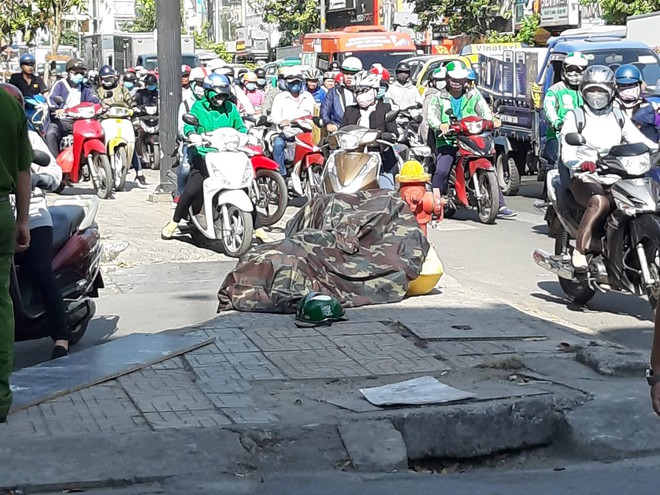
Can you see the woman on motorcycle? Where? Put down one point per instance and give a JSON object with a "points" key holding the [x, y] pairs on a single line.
{"points": [[370, 112], [110, 92], [37, 259], [602, 127]]}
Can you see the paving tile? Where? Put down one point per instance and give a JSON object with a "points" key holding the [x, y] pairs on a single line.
{"points": [[254, 366], [318, 363]]}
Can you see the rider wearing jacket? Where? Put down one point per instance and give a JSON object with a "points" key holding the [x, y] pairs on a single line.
{"points": [[313, 84], [110, 92], [148, 96], [403, 93], [437, 83], [560, 99], [341, 96], [628, 92], [602, 129]]}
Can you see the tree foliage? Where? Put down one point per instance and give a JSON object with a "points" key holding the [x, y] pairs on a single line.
{"points": [[616, 11], [145, 17], [526, 34], [472, 17], [293, 19]]}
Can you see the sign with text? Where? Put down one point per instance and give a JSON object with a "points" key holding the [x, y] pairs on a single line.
{"points": [[560, 13]]}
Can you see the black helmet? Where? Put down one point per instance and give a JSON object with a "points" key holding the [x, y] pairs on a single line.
{"points": [[150, 79], [261, 73], [130, 77], [75, 64], [402, 67], [335, 66]]}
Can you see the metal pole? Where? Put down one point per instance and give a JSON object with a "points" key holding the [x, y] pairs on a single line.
{"points": [[322, 16], [168, 21]]}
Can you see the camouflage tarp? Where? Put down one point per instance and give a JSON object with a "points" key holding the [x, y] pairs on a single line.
{"points": [[361, 248]]}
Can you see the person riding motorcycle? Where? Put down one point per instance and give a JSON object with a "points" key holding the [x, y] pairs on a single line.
{"points": [[237, 96], [280, 86], [384, 84], [289, 105], [262, 82], [252, 91], [463, 103], [37, 259], [328, 82], [628, 92], [27, 81], [312, 84], [341, 96], [130, 82], [602, 126], [647, 118], [72, 91], [148, 96], [403, 93], [185, 82], [214, 111], [368, 111], [437, 83], [561, 98], [111, 92]]}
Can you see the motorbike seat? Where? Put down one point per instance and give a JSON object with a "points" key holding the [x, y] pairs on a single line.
{"points": [[66, 220]]}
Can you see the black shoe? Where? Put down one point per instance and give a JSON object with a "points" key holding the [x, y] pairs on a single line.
{"points": [[59, 351], [141, 179], [3, 420]]}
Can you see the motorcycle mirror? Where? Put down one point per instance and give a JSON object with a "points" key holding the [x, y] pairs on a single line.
{"points": [[419, 119], [419, 104], [575, 139], [391, 115], [57, 99], [262, 120], [190, 119], [317, 121], [41, 158]]}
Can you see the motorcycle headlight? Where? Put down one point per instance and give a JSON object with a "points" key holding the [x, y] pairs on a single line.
{"points": [[348, 141], [474, 127], [151, 110]]}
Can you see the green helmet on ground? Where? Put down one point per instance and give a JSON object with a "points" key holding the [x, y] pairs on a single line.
{"points": [[316, 309]]}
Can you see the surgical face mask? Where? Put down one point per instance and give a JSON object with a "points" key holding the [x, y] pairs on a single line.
{"points": [[294, 87], [366, 98], [597, 99], [440, 84], [456, 85], [152, 87], [630, 94], [261, 83], [381, 92], [129, 85], [402, 77], [76, 78], [251, 86]]}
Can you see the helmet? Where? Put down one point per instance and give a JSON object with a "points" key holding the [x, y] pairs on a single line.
{"points": [[75, 64], [351, 65], [472, 76], [366, 80], [106, 71], [27, 59], [218, 83], [214, 64], [312, 74], [130, 76], [185, 70], [293, 74], [150, 79], [228, 72], [241, 73], [328, 75], [318, 309], [456, 70], [15, 92], [439, 74], [282, 71], [597, 77], [628, 74], [381, 71], [576, 59], [261, 73], [573, 66], [335, 66], [198, 74], [402, 67], [250, 77]]}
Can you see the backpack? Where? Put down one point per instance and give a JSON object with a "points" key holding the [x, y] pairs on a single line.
{"points": [[581, 122]]}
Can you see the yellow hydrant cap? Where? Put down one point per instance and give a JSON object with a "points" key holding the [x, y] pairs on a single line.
{"points": [[413, 171]]}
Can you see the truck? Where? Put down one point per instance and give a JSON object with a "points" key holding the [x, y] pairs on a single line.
{"points": [[516, 84], [282, 52], [644, 28], [122, 50]]}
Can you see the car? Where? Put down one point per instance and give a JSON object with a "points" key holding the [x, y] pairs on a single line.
{"points": [[272, 67], [416, 64], [434, 63]]}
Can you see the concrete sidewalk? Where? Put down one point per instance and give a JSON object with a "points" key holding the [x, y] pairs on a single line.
{"points": [[267, 395]]}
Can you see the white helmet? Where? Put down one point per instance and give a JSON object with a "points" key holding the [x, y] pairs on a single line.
{"points": [[198, 74], [366, 80], [351, 64], [456, 70], [214, 64]]}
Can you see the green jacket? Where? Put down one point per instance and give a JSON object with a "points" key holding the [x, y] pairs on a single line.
{"points": [[472, 105], [211, 119], [558, 101]]}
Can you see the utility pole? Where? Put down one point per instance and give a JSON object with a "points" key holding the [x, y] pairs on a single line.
{"points": [[322, 16], [168, 22]]}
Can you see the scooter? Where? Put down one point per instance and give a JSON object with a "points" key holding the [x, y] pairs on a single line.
{"points": [[37, 112], [629, 257], [473, 181], [119, 142], [148, 143], [76, 263], [408, 122], [83, 153], [227, 210]]}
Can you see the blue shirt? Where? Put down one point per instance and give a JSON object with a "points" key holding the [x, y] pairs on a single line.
{"points": [[456, 106]]}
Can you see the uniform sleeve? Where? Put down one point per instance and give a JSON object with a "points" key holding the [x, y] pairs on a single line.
{"points": [[569, 153], [187, 128], [550, 104], [23, 148], [42, 85], [482, 107], [181, 123], [435, 114], [326, 106]]}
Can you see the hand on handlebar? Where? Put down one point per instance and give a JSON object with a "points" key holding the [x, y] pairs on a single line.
{"points": [[332, 128], [60, 113], [444, 128], [588, 167], [195, 139], [285, 123]]}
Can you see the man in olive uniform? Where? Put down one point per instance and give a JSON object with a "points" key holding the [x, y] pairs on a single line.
{"points": [[15, 158]]}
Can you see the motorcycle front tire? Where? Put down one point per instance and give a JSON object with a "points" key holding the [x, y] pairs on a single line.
{"points": [[104, 172], [155, 164], [490, 188], [122, 156], [236, 215], [282, 196], [578, 292]]}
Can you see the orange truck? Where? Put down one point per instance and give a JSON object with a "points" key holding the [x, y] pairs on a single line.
{"points": [[371, 44]]}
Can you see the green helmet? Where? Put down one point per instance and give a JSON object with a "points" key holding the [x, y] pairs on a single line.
{"points": [[317, 309]]}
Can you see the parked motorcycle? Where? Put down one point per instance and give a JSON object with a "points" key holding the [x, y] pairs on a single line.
{"points": [[83, 153], [148, 143], [226, 213], [76, 263], [119, 142], [473, 181], [630, 257]]}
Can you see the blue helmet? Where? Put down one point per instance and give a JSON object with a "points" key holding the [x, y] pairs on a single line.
{"points": [[106, 71], [27, 58], [628, 74], [217, 83], [472, 76]]}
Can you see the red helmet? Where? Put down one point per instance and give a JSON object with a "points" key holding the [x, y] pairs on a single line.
{"points": [[381, 71], [132, 69], [185, 70], [339, 78], [15, 92]]}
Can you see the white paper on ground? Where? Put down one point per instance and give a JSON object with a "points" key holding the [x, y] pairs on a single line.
{"points": [[423, 390]]}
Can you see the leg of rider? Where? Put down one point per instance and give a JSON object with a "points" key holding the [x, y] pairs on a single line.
{"points": [[191, 191], [590, 195], [182, 171], [38, 260], [443, 164], [53, 136], [278, 153]]}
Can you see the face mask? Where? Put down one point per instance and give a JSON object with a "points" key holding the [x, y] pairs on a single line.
{"points": [[630, 94], [251, 86], [294, 87], [198, 89], [440, 84], [76, 78], [456, 86], [597, 100], [152, 87], [261, 82], [366, 99], [402, 77], [381, 92], [129, 85]]}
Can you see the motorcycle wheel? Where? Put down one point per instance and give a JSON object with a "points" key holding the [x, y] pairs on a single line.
{"points": [[274, 196], [155, 164], [121, 158], [239, 238], [104, 174], [489, 205], [653, 257], [578, 292], [313, 181], [507, 174]]}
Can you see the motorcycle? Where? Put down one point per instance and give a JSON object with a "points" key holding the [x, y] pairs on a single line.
{"points": [[83, 152], [119, 142], [413, 148], [473, 181], [148, 143], [629, 260], [37, 112], [226, 213], [76, 264]]}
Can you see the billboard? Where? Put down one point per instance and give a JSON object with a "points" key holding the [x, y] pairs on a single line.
{"points": [[343, 13]]}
